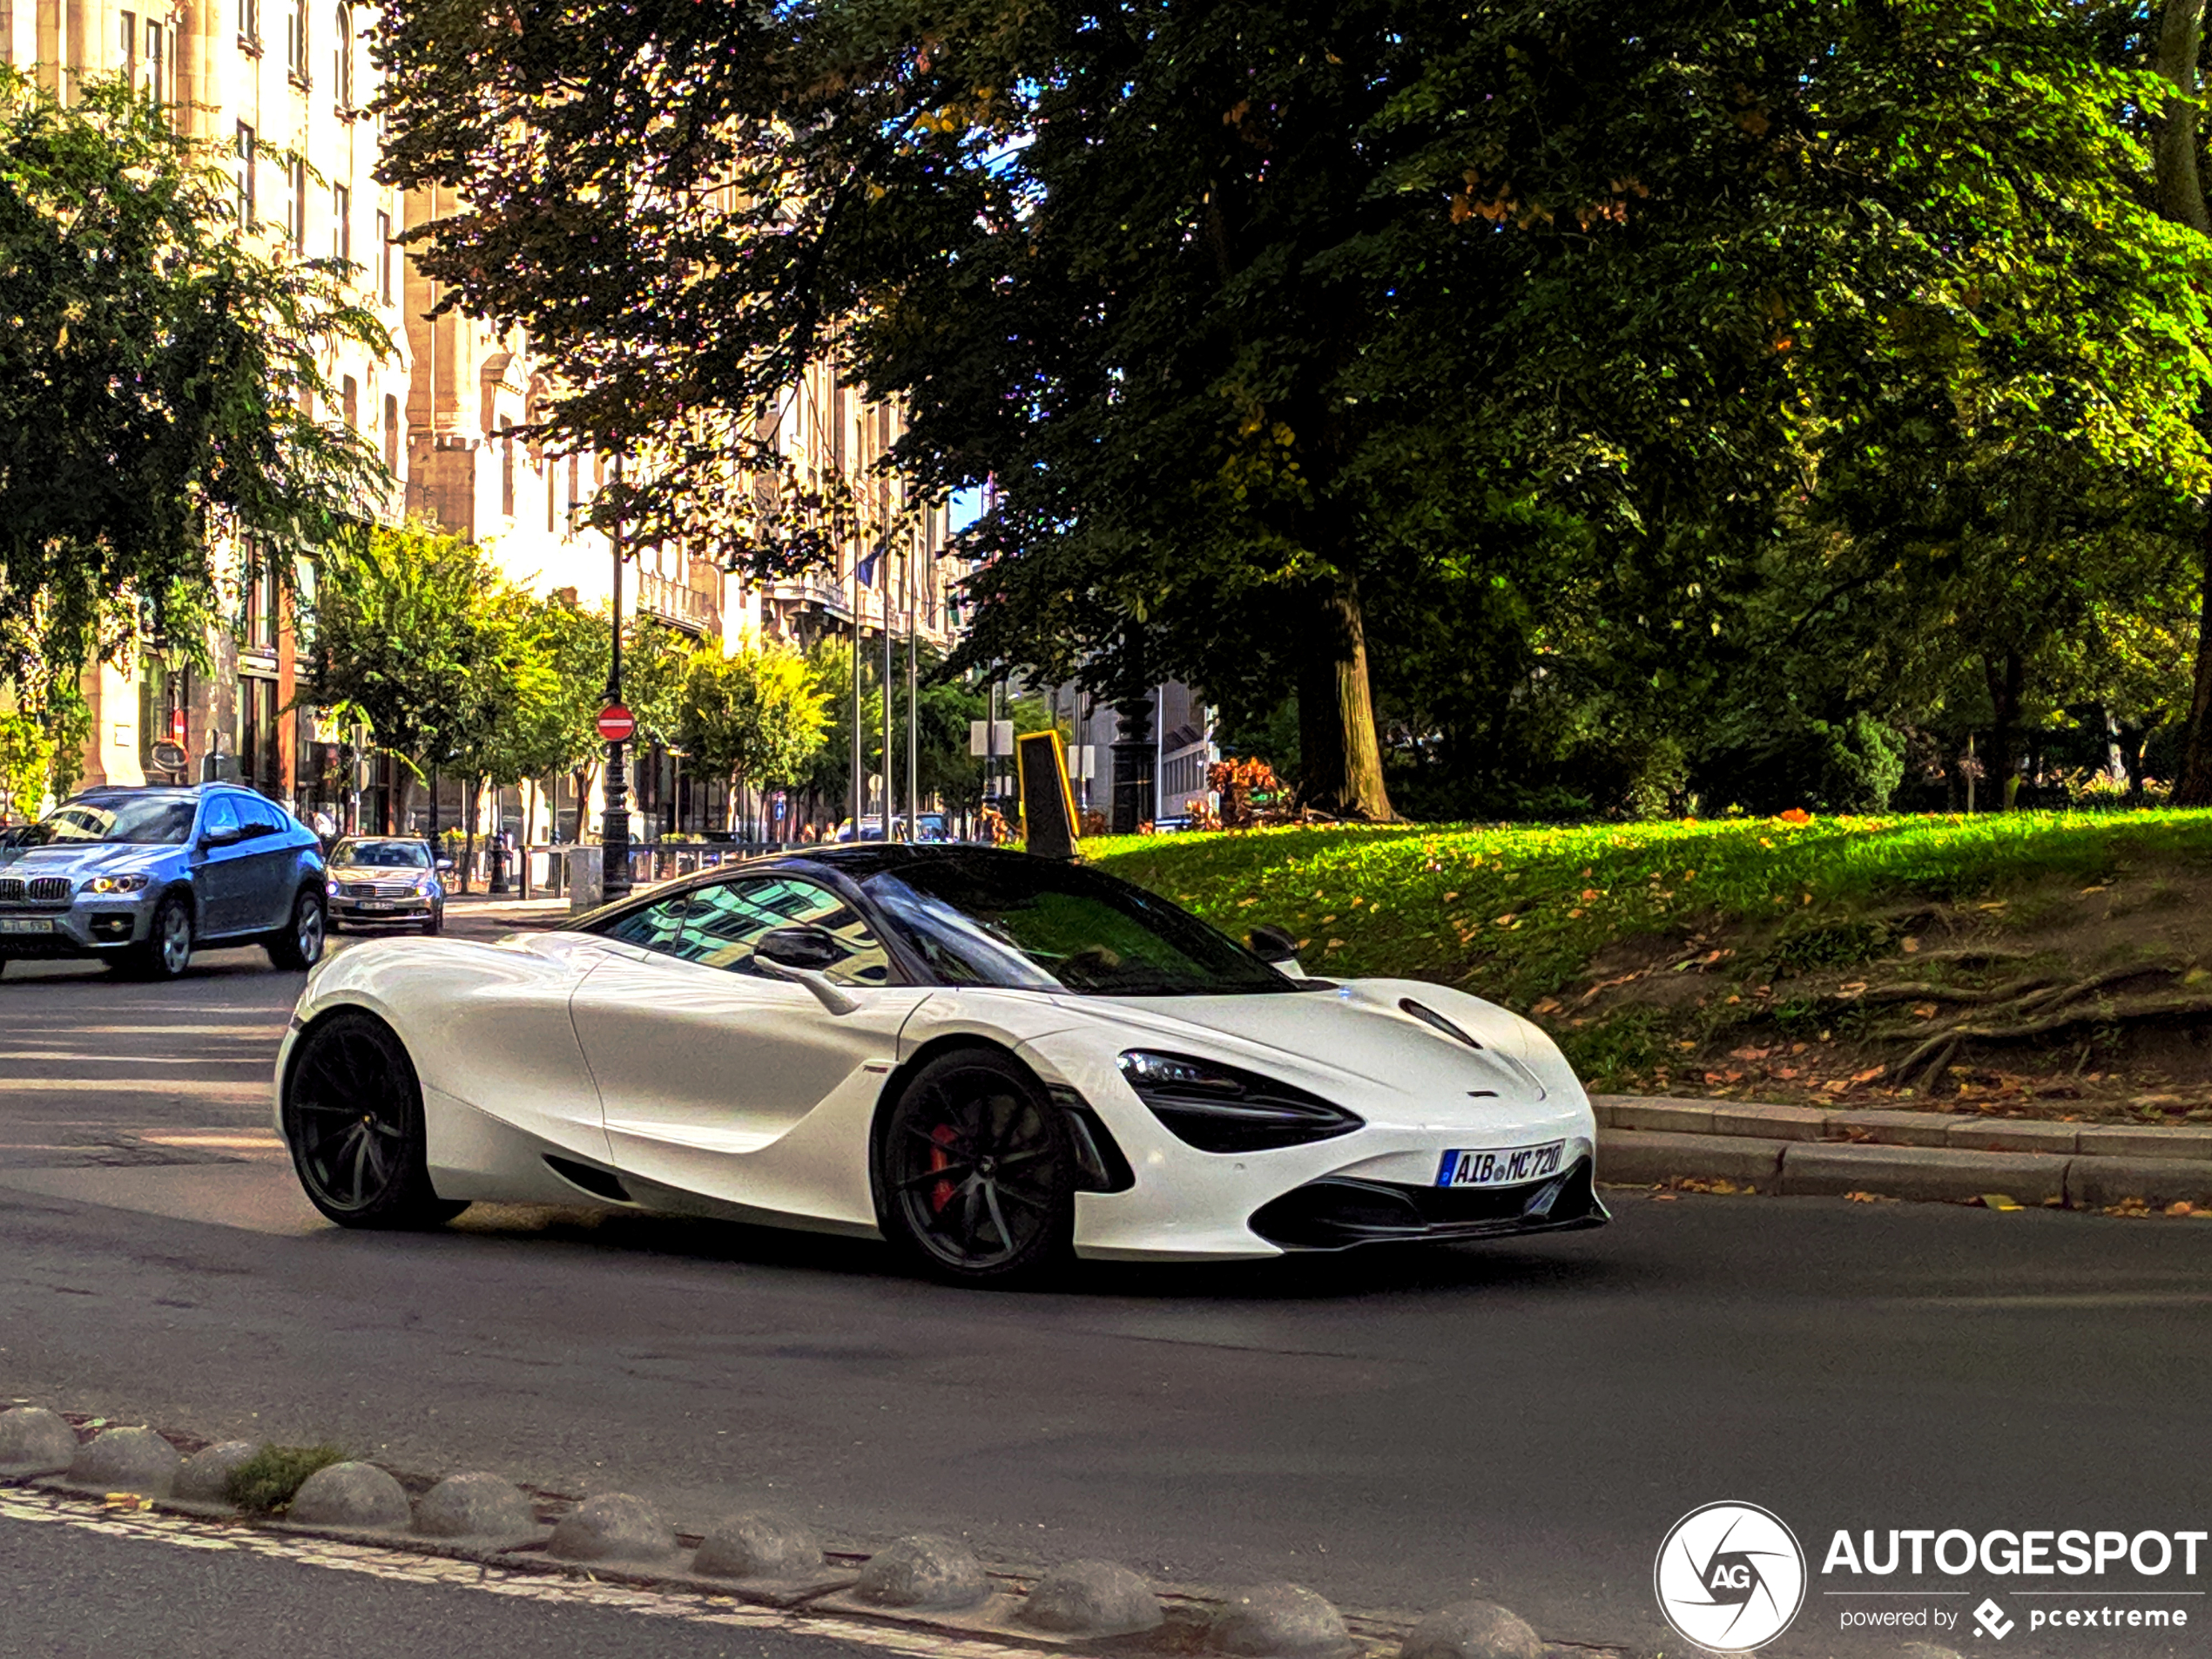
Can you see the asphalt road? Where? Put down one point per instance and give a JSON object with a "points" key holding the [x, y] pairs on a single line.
{"points": [[1523, 1420]]}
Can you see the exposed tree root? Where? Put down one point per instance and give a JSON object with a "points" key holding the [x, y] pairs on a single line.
{"points": [[2121, 1011]]}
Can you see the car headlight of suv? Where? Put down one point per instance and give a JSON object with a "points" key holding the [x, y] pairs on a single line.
{"points": [[117, 884], [331, 888], [1221, 1109], [425, 886]]}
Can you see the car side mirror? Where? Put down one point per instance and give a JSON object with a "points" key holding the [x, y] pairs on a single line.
{"points": [[1273, 944], [799, 954], [223, 835], [812, 948], [445, 866]]}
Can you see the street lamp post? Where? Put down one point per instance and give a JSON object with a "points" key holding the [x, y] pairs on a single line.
{"points": [[614, 835]]}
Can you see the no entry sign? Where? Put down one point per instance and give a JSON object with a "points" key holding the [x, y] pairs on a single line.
{"points": [[617, 724]]}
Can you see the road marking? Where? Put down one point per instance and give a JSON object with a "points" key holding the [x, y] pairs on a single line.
{"points": [[134, 1086], [277, 1031], [41, 1508], [130, 1059], [229, 1139]]}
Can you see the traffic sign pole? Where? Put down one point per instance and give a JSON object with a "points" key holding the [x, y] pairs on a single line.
{"points": [[613, 834]]}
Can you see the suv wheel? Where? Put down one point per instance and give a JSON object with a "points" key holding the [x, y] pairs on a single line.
{"points": [[299, 946], [168, 943]]}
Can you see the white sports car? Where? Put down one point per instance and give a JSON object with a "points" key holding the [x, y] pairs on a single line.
{"points": [[991, 1060]]}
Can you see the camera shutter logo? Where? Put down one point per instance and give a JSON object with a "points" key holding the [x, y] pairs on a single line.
{"points": [[1729, 1577]]}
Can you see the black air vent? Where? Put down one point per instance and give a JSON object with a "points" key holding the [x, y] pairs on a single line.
{"points": [[600, 1183]]}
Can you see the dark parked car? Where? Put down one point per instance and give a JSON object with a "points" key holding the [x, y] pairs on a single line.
{"points": [[381, 880], [142, 877]]}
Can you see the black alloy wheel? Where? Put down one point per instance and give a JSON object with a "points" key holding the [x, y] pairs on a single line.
{"points": [[299, 946], [974, 1174], [353, 1117]]}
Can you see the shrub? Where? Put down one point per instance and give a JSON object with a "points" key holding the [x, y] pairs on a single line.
{"points": [[266, 1482]]}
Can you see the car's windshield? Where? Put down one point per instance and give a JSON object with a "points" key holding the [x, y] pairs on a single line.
{"points": [[138, 820], [1002, 920], [388, 855]]}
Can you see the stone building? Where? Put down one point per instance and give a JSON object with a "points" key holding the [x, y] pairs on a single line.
{"points": [[279, 84]]}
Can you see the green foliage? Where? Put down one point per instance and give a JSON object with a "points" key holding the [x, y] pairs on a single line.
{"points": [[265, 1483], [153, 367], [1663, 393], [26, 763], [754, 716]]}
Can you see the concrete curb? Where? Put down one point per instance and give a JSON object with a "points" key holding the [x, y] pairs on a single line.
{"points": [[1934, 1156], [920, 1582]]}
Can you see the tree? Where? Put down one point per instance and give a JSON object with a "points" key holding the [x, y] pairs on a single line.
{"points": [[1588, 320], [755, 717], [153, 368], [402, 638]]}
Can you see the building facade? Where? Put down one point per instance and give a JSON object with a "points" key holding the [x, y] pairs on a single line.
{"points": [[280, 85]]}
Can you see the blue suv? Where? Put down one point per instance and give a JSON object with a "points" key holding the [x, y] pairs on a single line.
{"points": [[142, 877]]}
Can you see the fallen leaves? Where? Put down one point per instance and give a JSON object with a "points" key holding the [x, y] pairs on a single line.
{"points": [[1866, 1197]]}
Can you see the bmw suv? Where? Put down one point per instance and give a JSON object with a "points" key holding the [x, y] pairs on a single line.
{"points": [[144, 877]]}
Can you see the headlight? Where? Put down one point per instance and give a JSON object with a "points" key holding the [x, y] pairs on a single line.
{"points": [[426, 886], [1220, 1108], [331, 888], [117, 884]]}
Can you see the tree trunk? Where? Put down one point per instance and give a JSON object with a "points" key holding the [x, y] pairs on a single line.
{"points": [[2194, 787], [2180, 197], [2007, 677], [468, 837], [1339, 752]]}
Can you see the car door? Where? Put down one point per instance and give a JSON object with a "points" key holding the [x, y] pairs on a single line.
{"points": [[269, 859], [220, 868], [705, 1063]]}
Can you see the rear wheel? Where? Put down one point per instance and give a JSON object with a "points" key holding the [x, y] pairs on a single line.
{"points": [[975, 1176], [353, 1117], [300, 944]]}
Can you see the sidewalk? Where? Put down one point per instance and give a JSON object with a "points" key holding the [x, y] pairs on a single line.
{"points": [[1933, 1155]]}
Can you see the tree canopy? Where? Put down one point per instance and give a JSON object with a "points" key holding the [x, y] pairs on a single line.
{"points": [[1592, 395], [155, 369]]}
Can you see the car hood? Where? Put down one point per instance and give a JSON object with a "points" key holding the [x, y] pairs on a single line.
{"points": [[91, 858], [1354, 1029]]}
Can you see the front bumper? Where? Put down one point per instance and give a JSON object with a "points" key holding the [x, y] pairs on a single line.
{"points": [[90, 928], [1337, 1211], [369, 913]]}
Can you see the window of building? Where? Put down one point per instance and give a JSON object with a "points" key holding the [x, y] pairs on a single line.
{"points": [[249, 24], [260, 758], [506, 466], [296, 204], [392, 434], [552, 487], [349, 400], [295, 41], [384, 258], [263, 602], [242, 160], [342, 64], [127, 50], [341, 223], [157, 62]]}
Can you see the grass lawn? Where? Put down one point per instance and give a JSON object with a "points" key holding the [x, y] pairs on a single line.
{"points": [[2050, 961]]}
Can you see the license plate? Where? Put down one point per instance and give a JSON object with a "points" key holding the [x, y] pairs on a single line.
{"points": [[26, 925], [378, 904], [1504, 1169]]}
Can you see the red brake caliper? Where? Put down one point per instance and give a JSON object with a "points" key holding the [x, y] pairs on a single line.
{"points": [[942, 1193]]}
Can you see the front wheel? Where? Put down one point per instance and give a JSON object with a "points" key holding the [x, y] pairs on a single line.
{"points": [[974, 1175], [434, 924], [168, 944], [299, 946], [353, 1117]]}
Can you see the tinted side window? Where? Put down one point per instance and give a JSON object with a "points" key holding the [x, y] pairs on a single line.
{"points": [[727, 920], [260, 817], [219, 813], [658, 925]]}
